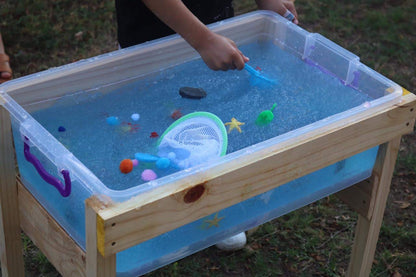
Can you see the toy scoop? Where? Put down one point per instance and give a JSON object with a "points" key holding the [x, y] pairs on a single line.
{"points": [[258, 79], [265, 117], [161, 163]]}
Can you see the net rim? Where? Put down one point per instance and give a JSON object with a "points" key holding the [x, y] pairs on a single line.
{"points": [[207, 115]]}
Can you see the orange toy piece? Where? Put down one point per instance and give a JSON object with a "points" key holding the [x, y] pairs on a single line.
{"points": [[126, 166]]}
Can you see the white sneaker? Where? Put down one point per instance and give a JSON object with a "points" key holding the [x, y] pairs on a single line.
{"points": [[233, 243]]}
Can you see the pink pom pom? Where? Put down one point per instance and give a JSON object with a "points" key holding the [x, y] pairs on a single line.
{"points": [[148, 175], [135, 162]]}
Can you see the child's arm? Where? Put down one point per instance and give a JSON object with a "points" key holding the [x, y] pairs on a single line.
{"points": [[218, 52], [279, 6]]}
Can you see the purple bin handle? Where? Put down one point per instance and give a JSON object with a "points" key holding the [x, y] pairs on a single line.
{"points": [[64, 190]]}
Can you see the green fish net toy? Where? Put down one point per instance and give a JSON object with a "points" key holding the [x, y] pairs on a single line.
{"points": [[265, 117]]}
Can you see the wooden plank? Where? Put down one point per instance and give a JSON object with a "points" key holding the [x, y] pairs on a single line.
{"points": [[97, 265], [60, 249], [367, 230], [168, 207], [359, 197], [10, 240]]}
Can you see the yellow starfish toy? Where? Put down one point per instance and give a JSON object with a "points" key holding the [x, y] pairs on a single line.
{"points": [[215, 221], [234, 124]]}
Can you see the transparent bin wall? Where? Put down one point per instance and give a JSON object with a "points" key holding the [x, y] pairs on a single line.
{"points": [[202, 233], [69, 211]]}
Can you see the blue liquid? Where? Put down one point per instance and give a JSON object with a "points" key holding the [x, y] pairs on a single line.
{"points": [[303, 95]]}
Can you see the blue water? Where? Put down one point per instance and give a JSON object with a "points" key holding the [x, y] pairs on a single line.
{"points": [[303, 95]]}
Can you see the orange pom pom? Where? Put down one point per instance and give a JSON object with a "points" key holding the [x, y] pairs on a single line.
{"points": [[126, 166]]}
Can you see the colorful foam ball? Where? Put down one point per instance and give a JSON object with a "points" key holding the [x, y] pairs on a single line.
{"points": [[135, 162], [148, 175], [126, 166]]}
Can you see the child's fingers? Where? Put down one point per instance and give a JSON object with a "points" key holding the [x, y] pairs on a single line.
{"points": [[246, 59], [291, 13], [238, 61], [291, 7]]}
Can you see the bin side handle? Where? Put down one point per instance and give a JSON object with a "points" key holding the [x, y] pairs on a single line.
{"points": [[64, 190]]}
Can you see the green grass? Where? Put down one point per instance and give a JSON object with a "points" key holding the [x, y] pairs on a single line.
{"points": [[313, 241], [40, 34]]}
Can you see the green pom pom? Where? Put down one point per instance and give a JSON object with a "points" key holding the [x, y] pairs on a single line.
{"points": [[265, 117]]}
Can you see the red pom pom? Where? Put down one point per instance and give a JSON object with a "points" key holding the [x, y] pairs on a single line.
{"points": [[126, 166]]}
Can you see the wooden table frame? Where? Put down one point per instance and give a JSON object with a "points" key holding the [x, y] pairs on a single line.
{"points": [[113, 227]]}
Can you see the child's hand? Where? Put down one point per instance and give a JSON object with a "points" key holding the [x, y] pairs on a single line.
{"points": [[281, 7], [218, 52], [221, 53]]}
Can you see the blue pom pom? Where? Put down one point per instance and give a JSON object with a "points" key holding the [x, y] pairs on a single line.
{"points": [[112, 120]]}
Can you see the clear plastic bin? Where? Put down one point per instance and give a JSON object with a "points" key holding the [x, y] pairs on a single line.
{"points": [[148, 63]]}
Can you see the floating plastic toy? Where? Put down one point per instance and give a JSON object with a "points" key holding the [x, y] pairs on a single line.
{"points": [[146, 158], [148, 175], [258, 79], [192, 93], [126, 166], [234, 124], [193, 139], [161, 163], [265, 117]]}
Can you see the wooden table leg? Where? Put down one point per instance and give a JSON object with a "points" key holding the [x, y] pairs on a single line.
{"points": [[368, 227], [97, 265], [10, 239]]}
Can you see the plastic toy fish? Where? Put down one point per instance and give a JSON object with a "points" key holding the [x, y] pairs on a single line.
{"points": [[176, 114]]}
